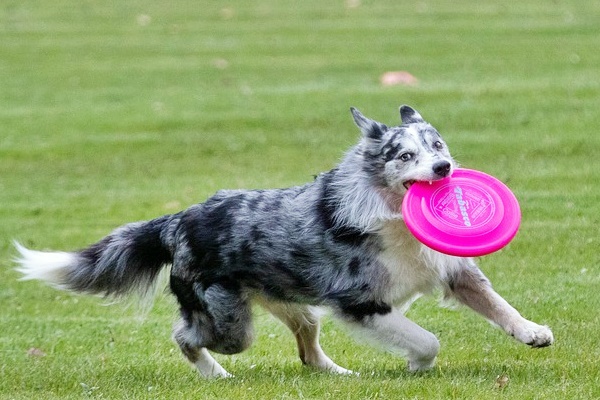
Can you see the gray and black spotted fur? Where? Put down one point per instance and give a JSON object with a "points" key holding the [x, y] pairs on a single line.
{"points": [[338, 242]]}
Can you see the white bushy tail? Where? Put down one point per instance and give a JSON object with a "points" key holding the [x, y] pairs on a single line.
{"points": [[128, 259], [51, 267]]}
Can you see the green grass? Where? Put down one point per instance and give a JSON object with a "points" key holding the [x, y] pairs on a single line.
{"points": [[111, 113]]}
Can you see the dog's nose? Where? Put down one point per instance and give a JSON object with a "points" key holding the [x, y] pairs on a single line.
{"points": [[442, 168]]}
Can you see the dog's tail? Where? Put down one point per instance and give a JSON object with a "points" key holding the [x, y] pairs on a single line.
{"points": [[128, 259]]}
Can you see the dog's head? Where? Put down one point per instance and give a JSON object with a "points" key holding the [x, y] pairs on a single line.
{"points": [[396, 157]]}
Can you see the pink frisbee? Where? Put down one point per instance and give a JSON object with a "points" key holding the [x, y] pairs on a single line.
{"points": [[468, 214]]}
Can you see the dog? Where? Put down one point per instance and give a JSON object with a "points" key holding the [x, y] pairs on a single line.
{"points": [[338, 242]]}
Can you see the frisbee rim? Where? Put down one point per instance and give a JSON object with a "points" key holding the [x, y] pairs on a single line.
{"points": [[470, 243]]}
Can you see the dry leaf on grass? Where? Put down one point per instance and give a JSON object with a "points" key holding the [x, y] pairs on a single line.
{"points": [[35, 352], [501, 381], [392, 78]]}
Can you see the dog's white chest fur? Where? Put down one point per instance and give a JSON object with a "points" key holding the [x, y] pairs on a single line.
{"points": [[414, 269]]}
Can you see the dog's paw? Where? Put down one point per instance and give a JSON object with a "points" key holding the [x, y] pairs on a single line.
{"points": [[325, 364], [210, 369], [533, 334], [336, 369], [420, 365]]}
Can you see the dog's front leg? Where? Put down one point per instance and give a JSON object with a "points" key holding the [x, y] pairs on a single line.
{"points": [[401, 335], [472, 288]]}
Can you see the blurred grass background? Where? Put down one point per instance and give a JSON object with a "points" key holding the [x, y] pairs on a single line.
{"points": [[112, 112]]}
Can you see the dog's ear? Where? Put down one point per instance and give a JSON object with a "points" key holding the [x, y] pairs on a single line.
{"points": [[370, 129], [409, 115]]}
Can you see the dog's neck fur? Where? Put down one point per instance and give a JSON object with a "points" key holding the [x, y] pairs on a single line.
{"points": [[358, 205]]}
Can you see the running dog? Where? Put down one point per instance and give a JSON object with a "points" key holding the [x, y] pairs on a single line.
{"points": [[338, 242]]}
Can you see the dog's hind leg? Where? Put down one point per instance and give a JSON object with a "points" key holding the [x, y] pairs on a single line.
{"points": [[187, 339], [473, 289], [304, 323], [217, 318]]}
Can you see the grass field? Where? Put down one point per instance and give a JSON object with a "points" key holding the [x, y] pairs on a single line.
{"points": [[114, 111]]}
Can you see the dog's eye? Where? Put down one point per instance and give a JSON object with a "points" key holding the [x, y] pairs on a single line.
{"points": [[438, 145], [406, 156]]}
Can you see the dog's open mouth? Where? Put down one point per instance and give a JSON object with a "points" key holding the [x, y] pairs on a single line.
{"points": [[408, 184]]}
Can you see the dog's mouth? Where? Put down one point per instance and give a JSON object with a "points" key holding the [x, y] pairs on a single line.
{"points": [[409, 183]]}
